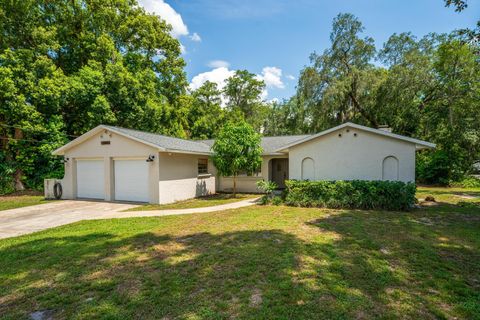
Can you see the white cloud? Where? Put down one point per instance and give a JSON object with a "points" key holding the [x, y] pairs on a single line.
{"points": [[290, 77], [220, 73], [218, 64], [183, 49], [167, 13], [217, 75], [272, 76], [195, 37], [264, 95]]}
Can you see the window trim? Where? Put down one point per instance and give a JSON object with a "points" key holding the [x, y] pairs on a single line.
{"points": [[203, 171]]}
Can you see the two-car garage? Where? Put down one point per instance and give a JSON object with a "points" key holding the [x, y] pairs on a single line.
{"points": [[130, 179], [117, 164]]}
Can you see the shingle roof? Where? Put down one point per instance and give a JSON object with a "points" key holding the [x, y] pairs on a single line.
{"points": [[270, 144], [165, 142]]}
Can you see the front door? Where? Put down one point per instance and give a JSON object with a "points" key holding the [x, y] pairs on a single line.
{"points": [[279, 172]]}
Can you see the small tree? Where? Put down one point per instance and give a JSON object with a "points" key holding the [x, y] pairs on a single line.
{"points": [[237, 149]]}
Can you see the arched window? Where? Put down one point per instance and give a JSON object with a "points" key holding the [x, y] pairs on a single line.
{"points": [[390, 169], [308, 169]]}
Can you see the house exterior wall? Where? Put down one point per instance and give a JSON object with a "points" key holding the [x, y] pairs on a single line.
{"points": [[119, 147], [179, 178], [248, 184], [350, 157]]}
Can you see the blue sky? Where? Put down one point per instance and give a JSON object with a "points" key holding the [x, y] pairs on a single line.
{"points": [[274, 38]]}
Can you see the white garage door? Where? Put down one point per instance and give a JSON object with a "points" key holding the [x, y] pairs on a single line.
{"points": [[131, 180], [90, 179]]}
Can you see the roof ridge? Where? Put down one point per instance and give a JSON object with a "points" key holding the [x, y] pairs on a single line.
{"points": [[288, 135], [158, 134]]}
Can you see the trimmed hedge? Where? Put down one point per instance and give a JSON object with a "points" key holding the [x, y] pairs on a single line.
{"points": [[355, 194]]}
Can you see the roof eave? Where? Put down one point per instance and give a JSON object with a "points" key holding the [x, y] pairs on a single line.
{"points": [[417, 142], [424, 146], [61, 151], [187, 152], [274, 153]]}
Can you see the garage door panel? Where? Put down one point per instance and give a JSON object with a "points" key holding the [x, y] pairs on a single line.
{"points": [[131, 180], [90, 179]]}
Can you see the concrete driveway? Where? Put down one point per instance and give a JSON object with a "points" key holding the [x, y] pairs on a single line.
{"points": [[26, 220]]}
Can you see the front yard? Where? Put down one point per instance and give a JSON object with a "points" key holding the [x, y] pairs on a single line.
{"points": [[201, 202], [21, 200], [254, 263]]}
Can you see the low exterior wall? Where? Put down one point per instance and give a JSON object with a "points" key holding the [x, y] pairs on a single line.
{"points": [[48, 185], [244, 184], [183, 189]]}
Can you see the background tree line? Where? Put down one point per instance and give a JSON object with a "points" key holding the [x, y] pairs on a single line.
{"points": [[67, 66]]}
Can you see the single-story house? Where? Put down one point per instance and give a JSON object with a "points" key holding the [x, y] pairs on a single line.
{"points": [[116, 164]]}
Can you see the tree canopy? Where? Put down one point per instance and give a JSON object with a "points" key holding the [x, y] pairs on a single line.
{"points": [[68, 66], [237, 150], [427, 88]]}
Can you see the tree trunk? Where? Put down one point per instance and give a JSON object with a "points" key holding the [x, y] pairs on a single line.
{"points": [[234, 185], [18, 184]]}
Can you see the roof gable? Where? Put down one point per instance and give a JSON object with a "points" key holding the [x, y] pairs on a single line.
{"points": [[420, 144], [160, 142]]}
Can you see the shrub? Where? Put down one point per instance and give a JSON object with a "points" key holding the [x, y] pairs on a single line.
{"points": [[6, 176], [355, 194], [469, 182], [276, 201], [267, 186], [264, 200], [438, 167]]}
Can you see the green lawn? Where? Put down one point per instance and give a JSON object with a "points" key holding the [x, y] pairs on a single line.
{"points": [[207, 201], [252, 263], [450, 195], [18, 201]]}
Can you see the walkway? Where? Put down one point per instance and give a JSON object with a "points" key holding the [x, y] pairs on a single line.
{"points": [[31, 219]]}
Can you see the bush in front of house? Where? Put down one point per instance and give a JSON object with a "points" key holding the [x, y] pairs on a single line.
{"points": [[468, 182], [268, 187], [355, 194]]}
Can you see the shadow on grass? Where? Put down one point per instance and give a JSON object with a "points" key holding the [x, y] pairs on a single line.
{"points": [[371, 265], [430, 259], [246, 274]]}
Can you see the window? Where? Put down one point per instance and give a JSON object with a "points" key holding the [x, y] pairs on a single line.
{"points": [[202, 166]]}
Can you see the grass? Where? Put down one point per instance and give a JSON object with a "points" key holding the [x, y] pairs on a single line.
{"points": [[20, 200], [450, 195], [261, 262], [207, 201]]}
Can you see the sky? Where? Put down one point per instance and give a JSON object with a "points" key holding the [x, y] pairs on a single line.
{"points": [[274, 38]]}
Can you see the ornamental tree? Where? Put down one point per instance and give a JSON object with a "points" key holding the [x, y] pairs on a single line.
{"points": [[237, 149]]}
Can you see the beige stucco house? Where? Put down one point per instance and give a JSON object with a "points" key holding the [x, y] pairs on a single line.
{"points": [[117, 164]]}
